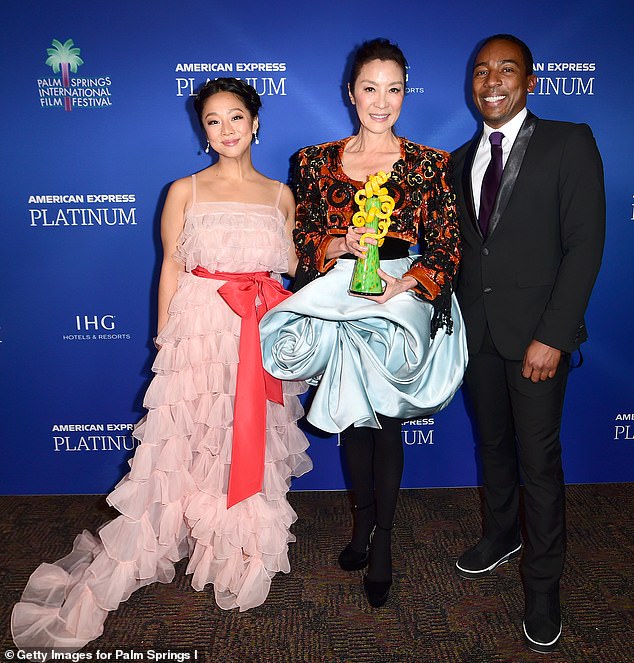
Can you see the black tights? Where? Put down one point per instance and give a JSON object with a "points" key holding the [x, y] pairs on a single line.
{"points": [[374, 458]]}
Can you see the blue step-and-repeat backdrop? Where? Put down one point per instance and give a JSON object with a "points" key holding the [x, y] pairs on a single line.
{"points": [[97, 121]]}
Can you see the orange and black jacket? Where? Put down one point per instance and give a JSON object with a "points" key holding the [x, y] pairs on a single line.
{"points": [[424, 214]]}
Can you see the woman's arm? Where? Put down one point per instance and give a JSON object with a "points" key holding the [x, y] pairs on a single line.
{"points": [[436, 268], [287, 205], [172, 221], [312, 240], [316, 248]]}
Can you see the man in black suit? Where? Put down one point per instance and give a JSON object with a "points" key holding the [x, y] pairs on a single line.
{"points": [[532, 203]]}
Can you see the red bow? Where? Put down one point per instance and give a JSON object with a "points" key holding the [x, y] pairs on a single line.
{"points": [[249, 414]]}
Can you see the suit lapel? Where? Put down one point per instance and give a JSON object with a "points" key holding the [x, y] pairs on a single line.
{"points": [[467, 189], [511, 170]]}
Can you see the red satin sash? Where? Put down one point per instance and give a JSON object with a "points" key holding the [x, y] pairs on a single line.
{"points": [[254, 385]]}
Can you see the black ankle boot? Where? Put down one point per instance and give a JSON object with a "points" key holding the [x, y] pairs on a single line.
{"points": [[378, 591], [355, 560]]}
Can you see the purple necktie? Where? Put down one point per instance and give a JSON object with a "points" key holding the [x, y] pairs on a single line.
{"points": [[491, 182]]}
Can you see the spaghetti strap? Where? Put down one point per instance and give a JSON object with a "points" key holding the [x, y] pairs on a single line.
{"points": [[194, 189], [279, 194]]}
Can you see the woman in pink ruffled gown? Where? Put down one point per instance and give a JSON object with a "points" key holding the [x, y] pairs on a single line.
{"points": [[201, 484]]}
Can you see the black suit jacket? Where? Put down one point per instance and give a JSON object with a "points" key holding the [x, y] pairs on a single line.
{"points": [[532, 276]]}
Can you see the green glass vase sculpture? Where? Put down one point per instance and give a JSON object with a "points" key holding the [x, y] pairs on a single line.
{"points": [[375, 208], [365, 280]]}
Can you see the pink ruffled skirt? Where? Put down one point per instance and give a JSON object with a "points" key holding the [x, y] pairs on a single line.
{"points": [[173, 500]]}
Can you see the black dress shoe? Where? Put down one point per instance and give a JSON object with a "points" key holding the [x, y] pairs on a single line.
{"points": [[353, 560], [377, 592], [484, 558], [542, 621]]}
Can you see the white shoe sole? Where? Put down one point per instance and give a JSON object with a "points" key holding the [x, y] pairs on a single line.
{"points": [[541, 647]]}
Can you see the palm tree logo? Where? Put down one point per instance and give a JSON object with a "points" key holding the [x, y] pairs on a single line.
{"points": [[65, 57]]}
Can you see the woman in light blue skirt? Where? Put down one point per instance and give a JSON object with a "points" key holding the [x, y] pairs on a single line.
{"points": [[382, 359]]}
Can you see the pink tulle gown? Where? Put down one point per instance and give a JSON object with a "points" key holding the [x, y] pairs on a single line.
{"points": [[173, 502]]}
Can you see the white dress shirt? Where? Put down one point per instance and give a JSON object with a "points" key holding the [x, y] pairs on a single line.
{"points": [[483, 153]]}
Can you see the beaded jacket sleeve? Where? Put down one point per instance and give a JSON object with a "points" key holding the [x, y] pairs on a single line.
{"points": [[424, 213]]}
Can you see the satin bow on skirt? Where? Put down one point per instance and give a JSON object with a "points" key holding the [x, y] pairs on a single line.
{"points": [[365, 357]]}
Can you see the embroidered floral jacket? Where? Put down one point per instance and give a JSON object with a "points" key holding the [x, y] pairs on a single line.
{"points": [[424, 213]]}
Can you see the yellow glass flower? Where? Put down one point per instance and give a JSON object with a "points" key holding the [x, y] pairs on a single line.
{"points": [[374, 202]]}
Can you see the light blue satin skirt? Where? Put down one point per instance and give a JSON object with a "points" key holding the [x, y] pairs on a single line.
{"points": [[365, 357]]}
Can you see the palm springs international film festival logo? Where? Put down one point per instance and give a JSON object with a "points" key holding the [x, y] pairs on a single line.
{"points": [[70, 92]]}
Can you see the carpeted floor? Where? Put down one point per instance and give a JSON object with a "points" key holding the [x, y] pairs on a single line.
{"points": [[319, 613]]}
